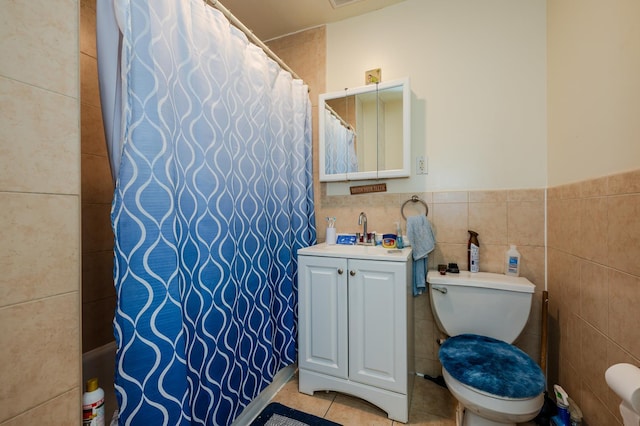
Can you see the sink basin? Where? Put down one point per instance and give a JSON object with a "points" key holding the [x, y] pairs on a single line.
{"points": [[357, 252]]}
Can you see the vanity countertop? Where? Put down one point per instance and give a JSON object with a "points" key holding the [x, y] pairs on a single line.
{"points": [[357, 252]]}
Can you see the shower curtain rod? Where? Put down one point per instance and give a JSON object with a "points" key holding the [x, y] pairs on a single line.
{"points": [[236, 22], [336, 115]]}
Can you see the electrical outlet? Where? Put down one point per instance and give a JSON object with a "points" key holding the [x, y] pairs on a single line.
{"points": [[421, 165]]}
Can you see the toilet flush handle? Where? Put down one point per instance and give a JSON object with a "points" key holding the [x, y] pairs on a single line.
{"points": [[442, 290]]}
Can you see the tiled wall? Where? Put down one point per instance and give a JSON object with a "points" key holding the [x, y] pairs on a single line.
{"points": [[98, 293], [500, 217], [305, 52], [594, 288], [40, 214]]}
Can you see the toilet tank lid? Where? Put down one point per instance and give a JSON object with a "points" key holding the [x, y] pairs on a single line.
{"points": [[482, 279]]}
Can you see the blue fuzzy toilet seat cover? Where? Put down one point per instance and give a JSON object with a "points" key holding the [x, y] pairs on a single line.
{"points": [[492, 366]]}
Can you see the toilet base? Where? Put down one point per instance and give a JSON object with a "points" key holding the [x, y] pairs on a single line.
{"points": [[481, 409], [466, 417]]}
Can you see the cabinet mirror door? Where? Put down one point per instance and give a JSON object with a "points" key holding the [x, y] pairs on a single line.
{"points": [[365, 132]]}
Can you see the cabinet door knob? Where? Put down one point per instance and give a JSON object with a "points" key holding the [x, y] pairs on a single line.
{"points": [[352, 273], [340, 271]]}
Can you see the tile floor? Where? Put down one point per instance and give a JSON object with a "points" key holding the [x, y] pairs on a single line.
{"points": [[431, 405]]}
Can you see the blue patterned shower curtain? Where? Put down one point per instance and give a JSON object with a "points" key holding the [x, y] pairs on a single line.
{"points": [[213, 199], [340, 152]]}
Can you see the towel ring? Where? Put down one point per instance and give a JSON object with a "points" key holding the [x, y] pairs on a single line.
{"points": [[414, 199]]}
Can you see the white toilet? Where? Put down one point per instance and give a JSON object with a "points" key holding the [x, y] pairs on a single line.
{"points": [[624, 380], [494, 382]]}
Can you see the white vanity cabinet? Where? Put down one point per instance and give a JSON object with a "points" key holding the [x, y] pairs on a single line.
{"points": [[355, 324]]}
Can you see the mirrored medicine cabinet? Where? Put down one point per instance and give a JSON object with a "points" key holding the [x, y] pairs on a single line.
{"points": [[365, 132]]}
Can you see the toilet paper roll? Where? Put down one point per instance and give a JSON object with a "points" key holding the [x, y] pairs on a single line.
{"points": [[624, 379]]}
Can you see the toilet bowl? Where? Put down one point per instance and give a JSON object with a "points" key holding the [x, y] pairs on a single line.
{"points": [[494, 382]]}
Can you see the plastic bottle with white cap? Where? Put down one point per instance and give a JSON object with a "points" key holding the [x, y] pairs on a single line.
{"points": [[93, 404]]}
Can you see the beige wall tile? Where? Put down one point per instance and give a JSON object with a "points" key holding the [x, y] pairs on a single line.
{"points": [[530, 344], [97, 276], [88, 27], [40, 341], [603, 252], [97, 186], [94, 237], [532, 265], [624, 233], [564, 224], [487, 196], [571, 382], [571, 345], [492, 258], [489, 220], [450, 222], [594, 295], [39, 254], [92, 130], [60, 411], [594, 224], [39, 150], [89, 90], [624, 299], [446, 253], [616, 355], [305, 52], [594, 410], [422, 308], [594, 358], [526, 195], [594, 187], [424, 340], [525, 223], [39, 44], [624, 183], [97, 323]]}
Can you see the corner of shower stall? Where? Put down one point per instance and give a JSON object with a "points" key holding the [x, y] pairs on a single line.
{"points": [[101, 363]]}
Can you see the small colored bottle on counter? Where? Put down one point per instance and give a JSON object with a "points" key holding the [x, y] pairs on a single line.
{"points": [[399, 242]]}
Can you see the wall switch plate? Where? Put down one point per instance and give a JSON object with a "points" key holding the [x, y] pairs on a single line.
{"points": [[373, 76], [421, 165]]}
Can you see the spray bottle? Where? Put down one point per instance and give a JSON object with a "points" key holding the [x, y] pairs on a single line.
{"points": [[473, 252]]}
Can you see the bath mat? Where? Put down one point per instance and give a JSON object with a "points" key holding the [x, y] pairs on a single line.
{"points": [[276, 414]]}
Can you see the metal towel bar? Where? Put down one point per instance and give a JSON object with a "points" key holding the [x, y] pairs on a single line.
{"points": [[414, 199]]}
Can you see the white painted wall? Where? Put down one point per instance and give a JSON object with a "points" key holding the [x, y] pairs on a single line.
{"points": [[478, 77], [594, 89]]}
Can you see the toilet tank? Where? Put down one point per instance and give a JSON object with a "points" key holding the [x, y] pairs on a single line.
{"points": [[483, 303]]}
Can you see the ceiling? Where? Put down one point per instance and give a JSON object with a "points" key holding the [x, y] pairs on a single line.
{"points": [[270, 19]]}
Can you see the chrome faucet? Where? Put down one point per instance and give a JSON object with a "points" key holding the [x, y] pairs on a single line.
{"points": [[362, 220]]}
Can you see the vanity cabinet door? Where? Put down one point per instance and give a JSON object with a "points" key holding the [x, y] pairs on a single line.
{"points": [[378, 324], [322, 321]]}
